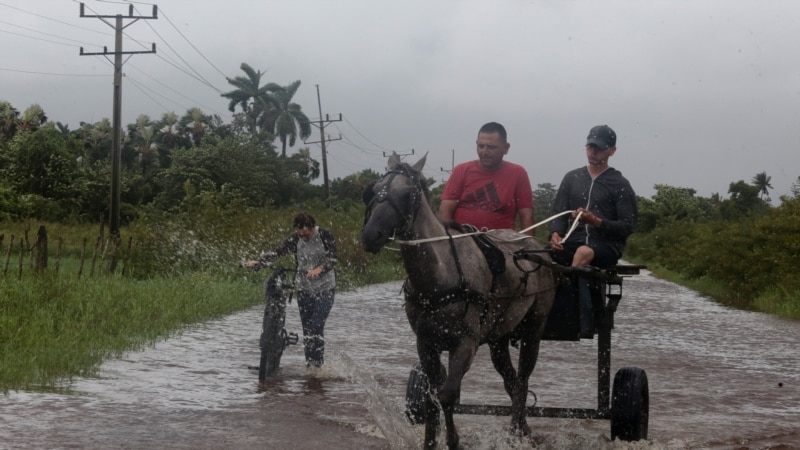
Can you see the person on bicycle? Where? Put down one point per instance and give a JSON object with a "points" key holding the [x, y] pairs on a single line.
{"points": [[315, 254]]}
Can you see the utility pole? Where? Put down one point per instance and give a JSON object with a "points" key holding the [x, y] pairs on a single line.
{"points": [[452, 163], [321, 126], [116, 145], [401, 155]]}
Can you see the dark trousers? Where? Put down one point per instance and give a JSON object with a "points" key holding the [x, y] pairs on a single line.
{"points": [[314, 309]]}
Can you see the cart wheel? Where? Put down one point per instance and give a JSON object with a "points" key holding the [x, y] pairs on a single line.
{"points": [[415, 394], [630, 405]]}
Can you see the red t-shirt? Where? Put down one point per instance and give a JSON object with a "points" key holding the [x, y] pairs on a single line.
{"points": [[488, 199]]}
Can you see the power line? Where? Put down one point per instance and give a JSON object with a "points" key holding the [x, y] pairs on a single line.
{"points": [[198, 75], [173, 90], [347, 140], [53, 73], [193, 46], [41, 32], [188, 70], [36, 38], [365, 138], [51, 19], [141, 89]]}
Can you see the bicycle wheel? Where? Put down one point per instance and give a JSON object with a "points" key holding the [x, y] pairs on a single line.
{"points": [[272, 342]]}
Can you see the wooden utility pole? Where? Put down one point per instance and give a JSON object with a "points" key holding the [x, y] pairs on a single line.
{"points": [[116, 145], [321, 141]]}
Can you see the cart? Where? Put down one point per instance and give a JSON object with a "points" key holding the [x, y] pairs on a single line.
{"points": [[586, 300]]}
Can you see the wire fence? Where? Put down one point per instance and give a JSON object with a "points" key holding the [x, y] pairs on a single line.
{"points": [[23, 254]]}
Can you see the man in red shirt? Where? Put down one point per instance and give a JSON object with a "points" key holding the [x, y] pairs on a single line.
{"points": [[489, 193]]}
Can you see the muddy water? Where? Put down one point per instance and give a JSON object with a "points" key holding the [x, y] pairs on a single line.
{"points": [[719, 379]]}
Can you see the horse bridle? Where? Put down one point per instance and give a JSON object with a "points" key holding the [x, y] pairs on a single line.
{"points": [[383, 196]]}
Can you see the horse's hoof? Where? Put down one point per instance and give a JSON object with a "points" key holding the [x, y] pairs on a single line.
{"points": [[521, 429]]}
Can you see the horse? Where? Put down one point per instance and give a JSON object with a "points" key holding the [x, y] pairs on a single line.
{"points": [[454, 300]]}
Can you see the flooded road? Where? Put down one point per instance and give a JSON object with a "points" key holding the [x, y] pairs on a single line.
{"points": [[719, 379]]}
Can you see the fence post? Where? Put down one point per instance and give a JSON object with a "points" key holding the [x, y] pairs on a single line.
{"points": [[83, 258], [41, 249], [21, 257], [58, 253], [8, 255]]}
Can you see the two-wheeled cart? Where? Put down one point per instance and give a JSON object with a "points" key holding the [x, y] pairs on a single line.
{"points": [[585, 303]]}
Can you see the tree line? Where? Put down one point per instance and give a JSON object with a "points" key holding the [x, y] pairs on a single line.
{"points": [[51, 172], [183, 164]]}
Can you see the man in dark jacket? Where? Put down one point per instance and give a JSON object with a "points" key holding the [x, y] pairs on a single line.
{"points": [[603, 203]]}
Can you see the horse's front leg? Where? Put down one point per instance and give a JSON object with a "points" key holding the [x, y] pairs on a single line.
{"points": [[459, 363], [430, 361]]}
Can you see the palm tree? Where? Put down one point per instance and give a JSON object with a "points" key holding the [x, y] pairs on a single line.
{"points": [[167, 137], [762, 182], [168, 131], [63, 129], [253, 98], [32, 118], [286, 119], [195, 123], [97, 139], [141, 135], [309, 165]]}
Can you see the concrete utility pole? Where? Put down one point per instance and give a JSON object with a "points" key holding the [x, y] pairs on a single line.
{"points": [[401, 155], [321, 127], [452, 163], [116, 145]]}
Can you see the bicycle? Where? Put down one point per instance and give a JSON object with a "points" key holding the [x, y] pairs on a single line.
{"points": [[274, 337]]}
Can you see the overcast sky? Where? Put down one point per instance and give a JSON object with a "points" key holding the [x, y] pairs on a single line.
{"points": [[700, 93]]}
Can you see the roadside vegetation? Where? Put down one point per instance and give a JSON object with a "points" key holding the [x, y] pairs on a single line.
{"points": [[741, 251], [62, 322], [199, 196]]}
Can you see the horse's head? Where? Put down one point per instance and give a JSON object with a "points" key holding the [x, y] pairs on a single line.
{"points": [[392, 203]]}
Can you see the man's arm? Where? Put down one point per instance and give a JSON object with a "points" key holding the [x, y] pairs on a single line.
{"points": [[526, 220], [447, 209]]}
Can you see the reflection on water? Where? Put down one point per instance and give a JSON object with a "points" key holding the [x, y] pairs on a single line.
{"points": [[719, 378]]}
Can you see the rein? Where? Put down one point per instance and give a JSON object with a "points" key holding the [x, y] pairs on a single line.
{"points": [[441, 238], [456, 294]]}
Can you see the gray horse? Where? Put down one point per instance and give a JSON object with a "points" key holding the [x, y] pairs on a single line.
{"points": [[456, 299]]}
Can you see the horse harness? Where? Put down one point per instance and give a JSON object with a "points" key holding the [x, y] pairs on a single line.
{"points": [[494, 255], [383, 196]]}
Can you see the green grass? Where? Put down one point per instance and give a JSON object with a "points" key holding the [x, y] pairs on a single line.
{"points": [[55, 324], [54, 327], [779, 302], [774, 301]]}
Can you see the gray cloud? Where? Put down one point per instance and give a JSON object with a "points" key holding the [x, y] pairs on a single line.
{"points": [[701, 93]]}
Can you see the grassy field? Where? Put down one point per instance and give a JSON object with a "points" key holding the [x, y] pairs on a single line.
{"points": [[62, 321], [55, 327]]}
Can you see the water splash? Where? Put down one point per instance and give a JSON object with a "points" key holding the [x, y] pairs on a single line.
{"points": [[386, 414]]}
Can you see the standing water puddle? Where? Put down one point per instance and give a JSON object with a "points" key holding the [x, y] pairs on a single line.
{"points": [[719, 379]]}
